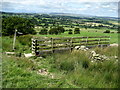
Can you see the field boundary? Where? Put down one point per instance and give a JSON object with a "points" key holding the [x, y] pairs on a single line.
{"points": [[44, 44]]}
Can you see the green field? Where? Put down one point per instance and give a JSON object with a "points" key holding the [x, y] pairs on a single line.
{"points": [[88, 32], [75, 69], [68, 70]]}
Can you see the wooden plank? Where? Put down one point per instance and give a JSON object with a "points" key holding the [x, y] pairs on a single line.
{"points": [[60, 46], [62, 38], [44, 44], [95, 40], [45, 48], [62, 42]]}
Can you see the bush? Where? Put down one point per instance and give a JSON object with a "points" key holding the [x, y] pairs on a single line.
{"points": [[53, 31], [66, 65], [70, 31], [107, 31], [43, 31], [118, 31], [76, 31], [57, 30], [25, 40], [85, 64], [22, 25]]}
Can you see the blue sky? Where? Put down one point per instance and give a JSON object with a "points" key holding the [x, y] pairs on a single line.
{"points": [[95, 7]]}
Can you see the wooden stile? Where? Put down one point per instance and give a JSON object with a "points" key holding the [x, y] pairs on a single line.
{"points": [[66, 43]]}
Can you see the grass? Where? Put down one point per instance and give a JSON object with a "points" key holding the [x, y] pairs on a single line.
{"points": [[22, 44], [88, 32], [70, 70]]}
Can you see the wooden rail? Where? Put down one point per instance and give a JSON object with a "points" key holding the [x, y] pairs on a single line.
{"points": [[42, 45]]}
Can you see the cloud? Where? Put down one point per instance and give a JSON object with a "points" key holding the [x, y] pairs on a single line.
{"points": [[71, 6], [106, 6], [88, 5]]}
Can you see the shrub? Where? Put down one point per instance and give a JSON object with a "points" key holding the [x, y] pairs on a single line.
{"points": [[60, 29], [43, 31], [57, 30], [70, 31], [66, 65], [53, 31], [25, 39], [85, 64], [107, 31], [76, 31], [118, 31]]}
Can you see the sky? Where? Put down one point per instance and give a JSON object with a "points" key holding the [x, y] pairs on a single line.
{"points": [[87, 7]]}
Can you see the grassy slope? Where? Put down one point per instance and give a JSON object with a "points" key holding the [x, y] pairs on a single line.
{"points": [[69, 70]]}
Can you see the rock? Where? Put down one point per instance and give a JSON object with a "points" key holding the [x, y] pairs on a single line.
{"points": [[87, 48], [116, 57], [98, 58], [93, 52], [42, 72], [95, 55], [114, 44], [82, 47], [77, 47], [10, 53], [28, 55]]}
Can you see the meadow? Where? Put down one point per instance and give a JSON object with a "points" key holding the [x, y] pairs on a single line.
{"points": [[63, 70], [88, 32], [68, 70]]}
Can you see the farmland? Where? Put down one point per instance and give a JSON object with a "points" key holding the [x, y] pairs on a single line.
{"points": [[60, 70]]}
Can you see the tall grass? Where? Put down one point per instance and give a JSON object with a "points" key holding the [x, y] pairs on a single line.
{"points": [[71, 69], [22, 43], [108, 51], [83, 73]]}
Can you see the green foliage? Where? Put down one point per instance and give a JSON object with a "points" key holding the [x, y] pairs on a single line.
{"points": [[85, 64], [7, 44], [25, 40], [53, 31], [70, 70], [23, 25], [43, 31], [22, 73], [66, 65], [56, 30], [107, 31], [76, 31], [70, 31], [72, 61], [60, 29], [107, 51]]}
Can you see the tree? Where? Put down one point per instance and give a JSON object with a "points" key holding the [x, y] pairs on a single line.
{"points": [[53, 31], [57, 30], [60, 29], [22, 25], [43, 31], [107, 31], [70, 31], [76, 31]]}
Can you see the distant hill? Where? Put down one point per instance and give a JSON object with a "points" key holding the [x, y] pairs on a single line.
{"points": [[84, 16], [64, 14]]}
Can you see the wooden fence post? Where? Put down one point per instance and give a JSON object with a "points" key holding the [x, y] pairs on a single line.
{"points": [[71, 44], [109, 40], [99, 42], [33, 46], [86, 40]]}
